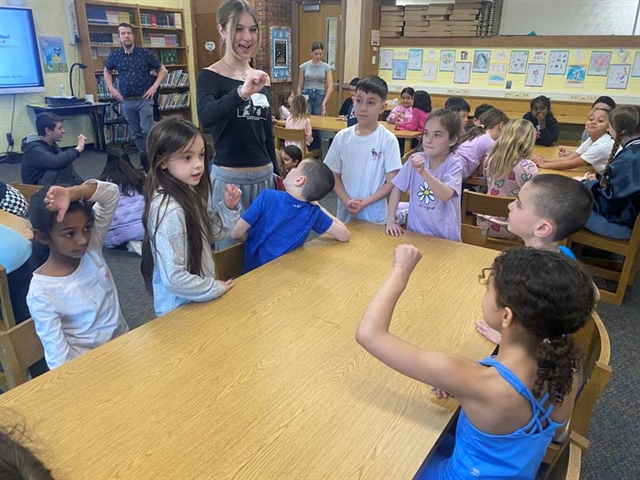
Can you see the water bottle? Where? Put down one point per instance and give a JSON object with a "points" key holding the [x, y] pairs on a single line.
{"points": [[61, 90]]}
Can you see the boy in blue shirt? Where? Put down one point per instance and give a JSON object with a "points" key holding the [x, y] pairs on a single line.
{"points": [[279, 222]]}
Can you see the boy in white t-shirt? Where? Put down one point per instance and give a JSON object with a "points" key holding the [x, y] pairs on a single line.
{"points": [[365, 158], [594, 151]]}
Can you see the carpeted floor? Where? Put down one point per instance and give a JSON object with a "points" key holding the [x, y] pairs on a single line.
{"points": [[614, 420]]}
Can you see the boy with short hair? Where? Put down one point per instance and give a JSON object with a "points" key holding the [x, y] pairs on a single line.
{"points": [[461, 107], [548, 209], [480, 109], [44, 163], [365, 158], [279, 222]]}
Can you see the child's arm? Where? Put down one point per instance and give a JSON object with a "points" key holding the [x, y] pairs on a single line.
{"points": [[49, 329], [356, 205], [573, 160], [307, 131], [393, 116], [337, 230], [340, 191], [452, 373], [228, 210], [394, 200], [441, 190], [548, 131], [240, 230]]}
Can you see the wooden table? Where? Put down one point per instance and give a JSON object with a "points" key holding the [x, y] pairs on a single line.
{"points": [[19, 224], [332, 124], [267, 382]]}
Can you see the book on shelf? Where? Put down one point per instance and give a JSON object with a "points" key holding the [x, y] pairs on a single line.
{"points": [[176, 78], [173, 101], [169, 57], [108, 17], [160, 40], [161, 20], [103, 90], [103, 38], [118, 133]]}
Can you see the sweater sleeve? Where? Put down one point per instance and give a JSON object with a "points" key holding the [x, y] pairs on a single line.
{"points": [[104, 208], [214, 109], [393, 116], [41, 157], [416, 123], [549, 135], [228, 217]]}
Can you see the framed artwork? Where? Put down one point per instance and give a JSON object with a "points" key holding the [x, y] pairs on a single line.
{"points": [[280, 54], [636, 66], [399, 70], [481, 60], [52, 55], [462, 72], [599, 64], [332, 41], [447, 60], [535, 75], [618, 76], [576, 75], [558, 60], [430, 71], [386, 59], [518, 61], [539, 56], [415, 59], [497, 73]]}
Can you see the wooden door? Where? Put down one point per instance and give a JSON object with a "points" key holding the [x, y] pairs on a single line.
{"points": [[313, 27], [206, 30]]}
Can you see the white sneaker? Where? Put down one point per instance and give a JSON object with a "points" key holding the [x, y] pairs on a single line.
{"points": [[135, 246]]}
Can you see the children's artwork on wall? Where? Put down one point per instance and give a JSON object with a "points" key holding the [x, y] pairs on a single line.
{"points": [[636, 66], [415, 59], [447, 59], [399, 70], [481, 60], [618, 76], [535, 75], [501, 56], [462, 72], [623, 54], [539, 56], [401, 54], [386, 59], [430, 71], [53, 56], [599, 64], [579, 56], [464, 55], [558, 60], [280, 54], [431, 54], [575, 76], [518, 61], [497, 73]]}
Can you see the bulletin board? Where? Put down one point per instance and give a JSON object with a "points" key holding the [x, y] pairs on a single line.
{"points": [[570, 74]]}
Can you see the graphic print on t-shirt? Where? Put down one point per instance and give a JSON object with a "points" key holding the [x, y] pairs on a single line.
{"points": [[256, 108], [425, 194]]}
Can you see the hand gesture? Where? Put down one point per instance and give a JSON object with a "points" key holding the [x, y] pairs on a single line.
{"points": [[227, 284], [440, 394], [324, 110], [231, 196], [417, 162], [58, 200], [487, 332], [590, 176], [150, 92], [82, 140], [540, 161], [394, 229], [342, 117], [406, 257], [563, 152], [253, 83], [542, 118], [355, 206], [116, 94]]}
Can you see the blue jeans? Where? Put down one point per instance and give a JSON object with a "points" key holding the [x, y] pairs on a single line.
{"points": [[600, 225], [139, 115], [314, 100]]}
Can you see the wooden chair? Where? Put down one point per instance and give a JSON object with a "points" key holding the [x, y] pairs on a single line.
{"points": [[473, 235], [473, 202], [25, 189], [228, 262], [406, 156], [569, 461], [6, 309], [282, 134], [621, 272], [20, 348]]}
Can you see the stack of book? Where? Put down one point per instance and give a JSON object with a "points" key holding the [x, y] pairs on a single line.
{"points": [[171, 21], [103, 91], [176, 78], [103, 38], [391, 21], [108, 17], [117, 134], [160, 40], [173, 101]]}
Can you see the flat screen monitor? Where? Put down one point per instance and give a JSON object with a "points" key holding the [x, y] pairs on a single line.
{"points": [[20, 67]]}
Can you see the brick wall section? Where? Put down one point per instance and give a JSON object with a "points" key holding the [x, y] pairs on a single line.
{"points": [[276, 13]]}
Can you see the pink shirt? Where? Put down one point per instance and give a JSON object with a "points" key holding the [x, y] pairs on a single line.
{"points": [[417, 122], [399, 110], [472, 152], [299, 125]]}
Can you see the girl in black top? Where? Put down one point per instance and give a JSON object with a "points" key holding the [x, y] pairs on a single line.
{"points": [[233, 103], [543, 120]]}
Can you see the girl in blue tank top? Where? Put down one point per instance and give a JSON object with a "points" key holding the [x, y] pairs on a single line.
{"points": [[513, 404]]}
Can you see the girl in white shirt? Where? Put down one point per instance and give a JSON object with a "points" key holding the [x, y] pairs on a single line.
{"points": [[72, 297], [594, 151]]}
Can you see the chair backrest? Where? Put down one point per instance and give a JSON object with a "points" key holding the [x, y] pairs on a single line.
{"points": [[20, 348], [473, 202], [406, 156], [569, 460], [25, 189], [474, 235], [228, 262], [6, 309], [291, 134]]}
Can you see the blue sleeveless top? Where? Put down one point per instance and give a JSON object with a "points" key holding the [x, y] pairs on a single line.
{"points": [[517, 455], [567, 251]]}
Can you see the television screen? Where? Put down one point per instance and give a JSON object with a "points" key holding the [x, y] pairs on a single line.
{"points": [[20, 68]]}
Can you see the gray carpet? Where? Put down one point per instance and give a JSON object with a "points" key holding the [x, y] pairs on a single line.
{"points": [[616, 416]]}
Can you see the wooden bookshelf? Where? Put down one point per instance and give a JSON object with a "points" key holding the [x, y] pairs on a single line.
{"points": [[151, 26]]}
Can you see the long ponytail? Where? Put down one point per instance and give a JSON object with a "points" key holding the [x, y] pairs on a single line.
{"points": [[625, 122]]}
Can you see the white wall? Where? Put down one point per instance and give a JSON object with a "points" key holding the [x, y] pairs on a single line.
{"points": [[570, 17]]}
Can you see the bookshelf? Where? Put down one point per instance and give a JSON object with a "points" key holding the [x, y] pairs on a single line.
{"points": [[158, 29]]}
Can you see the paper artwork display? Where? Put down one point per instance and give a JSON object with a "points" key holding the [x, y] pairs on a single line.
{"points": [[618, 76], [402, 54], [558, 61], [54, 59], [280, 54], [576, 75], [431, 54], [462, 72], [497, 73], [430, 71], [636, 66], [518, 61], [447, 60], [599, 64], [501, 56], [539, 56], [399, 70], [481, 60], [331, 51], [464, 55], [386, 59], [623, 54], [415, 59], [535, 75]]}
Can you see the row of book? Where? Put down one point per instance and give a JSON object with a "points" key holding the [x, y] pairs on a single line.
{"points": [[118, 133], [176, 78], [161, 20], [103, 38], [160, 40], [103, 91], [108, 17], [173, 101]]}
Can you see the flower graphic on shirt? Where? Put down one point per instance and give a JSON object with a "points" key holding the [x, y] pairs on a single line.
{"points": [[425, 195]]}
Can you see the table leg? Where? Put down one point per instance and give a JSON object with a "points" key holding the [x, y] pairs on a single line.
{"points": [[407, 145]]}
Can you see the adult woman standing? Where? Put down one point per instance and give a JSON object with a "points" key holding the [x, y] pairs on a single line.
{"points": [[316, 81], [232, 101]]}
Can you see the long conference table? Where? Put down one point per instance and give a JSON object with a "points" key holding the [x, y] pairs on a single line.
{"points": [[267, 382]]}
